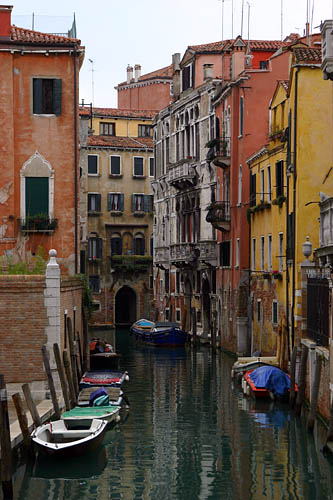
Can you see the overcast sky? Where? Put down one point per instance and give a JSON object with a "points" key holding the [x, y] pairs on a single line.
{"points": [[148, 32]]}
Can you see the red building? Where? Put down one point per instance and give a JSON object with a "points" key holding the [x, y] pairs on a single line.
{"points": [[38, 143]]}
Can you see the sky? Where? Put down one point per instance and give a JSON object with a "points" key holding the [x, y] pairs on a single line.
{"points": [[147, 32]]}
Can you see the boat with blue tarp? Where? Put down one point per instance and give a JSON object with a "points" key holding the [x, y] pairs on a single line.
{"points": [[267, 382], [162, 334]]}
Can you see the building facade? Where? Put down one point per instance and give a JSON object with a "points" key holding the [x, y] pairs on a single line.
{"points": [[117, 165], [39, 144]]}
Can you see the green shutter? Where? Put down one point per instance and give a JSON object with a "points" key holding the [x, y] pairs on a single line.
{"points": [[57, 96], [36, 196], [109, 201], [37, 96], [121, 202]]}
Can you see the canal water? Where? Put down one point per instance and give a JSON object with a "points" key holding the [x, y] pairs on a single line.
{"points": [[189, 434]]}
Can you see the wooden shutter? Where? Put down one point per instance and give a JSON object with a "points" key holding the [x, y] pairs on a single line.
{"points": [[36, 196], [193, 75], [253, 190], [133, 202], [99, 247], [57, 96], [37, 96], [121, 202], [98, 202], [110, 196], [279, 178]]}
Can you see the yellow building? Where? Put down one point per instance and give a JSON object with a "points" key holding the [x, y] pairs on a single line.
{"points": [[287, 177], [117, 165]]}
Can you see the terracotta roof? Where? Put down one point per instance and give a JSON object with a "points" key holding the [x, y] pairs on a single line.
{"points": [[120, 142], [25, 36], [118, 113], [254, 45], [163, 73], [307, 55]]}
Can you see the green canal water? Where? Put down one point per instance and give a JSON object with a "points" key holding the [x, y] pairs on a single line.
{"points": [[190, 434]]}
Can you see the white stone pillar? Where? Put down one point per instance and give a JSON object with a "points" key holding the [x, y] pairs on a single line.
{"points": [[52, 305]]}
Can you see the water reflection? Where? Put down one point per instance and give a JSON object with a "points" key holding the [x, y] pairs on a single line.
{"points": [[190, 435]]}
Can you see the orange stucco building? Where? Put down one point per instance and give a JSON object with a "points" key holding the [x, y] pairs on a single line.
{"points": [[38, 143]]}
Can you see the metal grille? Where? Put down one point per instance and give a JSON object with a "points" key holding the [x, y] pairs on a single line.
{"points": [[318, 310]]}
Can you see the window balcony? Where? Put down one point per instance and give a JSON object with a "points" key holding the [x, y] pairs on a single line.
{"points": [[131, 262], [184, 254], [219, 152], [40, 223], [219, 215], [182, 175]]}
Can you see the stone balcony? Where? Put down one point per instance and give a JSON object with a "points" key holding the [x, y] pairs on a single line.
{"points": [[161, 255], [189, 254], [181, 174], [219, 152], [219, 215]]}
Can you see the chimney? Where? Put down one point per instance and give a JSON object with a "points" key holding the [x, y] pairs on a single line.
{"points": [[176, 61], [129, 73], [175, 86], [208, 71], [137, 72], [5, 21]]}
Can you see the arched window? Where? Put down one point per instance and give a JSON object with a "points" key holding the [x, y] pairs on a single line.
{"points": [[116, 244], [139, 244]]}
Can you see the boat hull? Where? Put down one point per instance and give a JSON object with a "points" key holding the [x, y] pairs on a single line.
{"points": [[81, 416], [55, 442], [163, 335], [115, 396], [103, 378]]}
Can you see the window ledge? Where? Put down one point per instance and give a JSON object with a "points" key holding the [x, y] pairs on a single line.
{"points": [[116, 176], [139, 177], [139, 214], [94, 259], [94, 175], [93, 213], [45, 115], [116, 213], [46, 231]]}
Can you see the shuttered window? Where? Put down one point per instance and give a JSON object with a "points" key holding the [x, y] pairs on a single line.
{"points": [[47, 96], [94, 248], [92, 164], [279, 178], [116, 245], [94, 202], [138, 166], [253, 188], [115, 202], [115, 167], [36, 196]]}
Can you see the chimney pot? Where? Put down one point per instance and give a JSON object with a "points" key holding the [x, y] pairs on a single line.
{"points": [[5, 21], [129, 73], [208, 71], [137, 72]]}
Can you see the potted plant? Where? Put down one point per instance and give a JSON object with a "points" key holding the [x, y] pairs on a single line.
{"points": [[277, 275]]}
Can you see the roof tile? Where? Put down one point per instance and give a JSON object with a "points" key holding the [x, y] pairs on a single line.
{"points": [[120, 142], [118, 113], [23, 35], [307, 55]]}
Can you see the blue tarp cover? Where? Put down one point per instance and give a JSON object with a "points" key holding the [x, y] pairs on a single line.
{"points": [[271, 378]]}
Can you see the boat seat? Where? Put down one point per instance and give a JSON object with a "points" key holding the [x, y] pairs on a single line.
{"points": [[73, 433]]}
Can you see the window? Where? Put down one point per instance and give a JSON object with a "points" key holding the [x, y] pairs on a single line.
{"points": [[115, 165], [177, 281], [115, 202], [237, 253], [138, 166], [151, 281], [145, 131], [47, 96], [199, 316], [253, 188], [241, 115], [253, 254], [94, 248], [262, 262], [279, 178], [270, 264], [258, 310], [178, 317], [275, 312], [167, 314], [280, 252], [151, 167], [107, 128], [187, 77], [262, 185], [151, 244], [142, 203], [94, 284], [36, 196], [116, 244], [167, 281], [263, 64], [94, 202], [269, 184], [225, 253], [92, 165], [139, 244], [240, 185]]}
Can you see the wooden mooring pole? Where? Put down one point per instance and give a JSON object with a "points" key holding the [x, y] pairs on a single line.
{"points": [[6, 448], [62, 375], [314, 394], [51, 382], [67, 366], [31, 405], [72, 355], [302, 380], [194, 327], [23, 421], [292, 395]]}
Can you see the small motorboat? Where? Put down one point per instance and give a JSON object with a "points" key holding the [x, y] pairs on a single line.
{"points": [[103, 378], [115, 396], [243, 365], [102, 355], [267, 382], [162, 334], [81, 416], [57, 439]]}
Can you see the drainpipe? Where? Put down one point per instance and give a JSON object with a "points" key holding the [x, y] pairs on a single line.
{"points": [[294, 212], [75, 167], [287, 268], [250, 301]]}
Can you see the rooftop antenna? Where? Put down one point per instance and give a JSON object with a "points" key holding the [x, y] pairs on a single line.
{"points": [[33, 21], [242, 18], [248, 24], [232, 19], [92, 81], [281, 20]]}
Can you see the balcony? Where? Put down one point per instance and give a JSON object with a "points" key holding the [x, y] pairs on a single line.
{"points": [[161, 255], [182, 175], [219, 215], [184, 254], [40, 223], [219, 152], [131, 262]]}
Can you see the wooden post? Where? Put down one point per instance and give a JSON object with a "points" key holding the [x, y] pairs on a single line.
{"points": [[213, 333], [5, 442], [78, 341], [292, 394], [171, 312], [184, 317], [50, 382], [314, 394], [72, 355], [302, 381], [31, 405], [194, 327], [86, 351], [23, 421], [62, 376], [78, 360], [69, 378]]}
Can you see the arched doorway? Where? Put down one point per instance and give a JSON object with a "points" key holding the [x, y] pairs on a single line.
{"points": [[206, 306], [125, 306]]}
